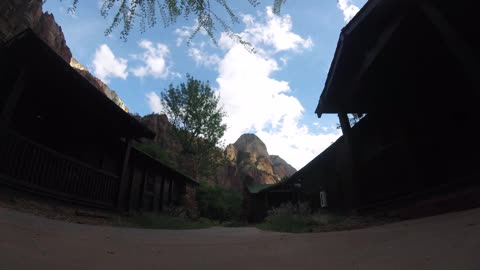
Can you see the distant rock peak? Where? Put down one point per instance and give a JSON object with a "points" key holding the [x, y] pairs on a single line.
{"points": [[249, 154]]}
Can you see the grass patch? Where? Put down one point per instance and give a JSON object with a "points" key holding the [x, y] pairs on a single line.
{"points": [[294, 218], [291, 223], [235, 224], [161, 221], [298, 218]]}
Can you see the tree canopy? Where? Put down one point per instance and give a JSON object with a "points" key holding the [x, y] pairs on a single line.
{"points": [[194, 110], [148, 12]]}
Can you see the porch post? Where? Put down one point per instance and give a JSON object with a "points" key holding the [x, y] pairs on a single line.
{"points": [[162, 192], [349, 182], [157, 193], [170, 189], [123, 191], [11, 102]]}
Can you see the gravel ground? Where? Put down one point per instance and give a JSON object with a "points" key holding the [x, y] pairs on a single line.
{"points": [[450, 241]]}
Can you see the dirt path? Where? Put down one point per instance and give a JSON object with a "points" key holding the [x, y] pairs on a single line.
{"points": [[450, 241]]}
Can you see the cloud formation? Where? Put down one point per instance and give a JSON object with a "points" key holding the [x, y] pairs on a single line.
{"points": [[275, 31], [154, 102], [348, 8], [258, 103], [154, 60], [106, 65], [201, 57]]}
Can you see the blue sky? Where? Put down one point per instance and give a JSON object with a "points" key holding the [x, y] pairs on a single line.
{"points": [[272, 93]]}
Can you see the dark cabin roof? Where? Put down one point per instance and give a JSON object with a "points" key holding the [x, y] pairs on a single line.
{"points": [[384, 52], [154, 164], [67, 93]]}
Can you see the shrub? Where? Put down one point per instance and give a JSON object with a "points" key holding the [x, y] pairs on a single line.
{"points": [[157, 151], [289, 218], [218, 203], [163, 221]]}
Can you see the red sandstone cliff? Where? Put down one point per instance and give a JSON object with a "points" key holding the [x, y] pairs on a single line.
{"points": [[18, 15], [246, 161]]}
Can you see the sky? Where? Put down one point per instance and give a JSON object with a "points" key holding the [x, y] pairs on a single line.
{"points": [[272, 93]]}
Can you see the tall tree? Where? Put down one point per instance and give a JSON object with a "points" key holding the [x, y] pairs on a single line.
{"points": [[194, 110], [126, 12]]}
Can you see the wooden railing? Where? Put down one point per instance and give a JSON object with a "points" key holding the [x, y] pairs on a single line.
{"points": [[28, 165]]}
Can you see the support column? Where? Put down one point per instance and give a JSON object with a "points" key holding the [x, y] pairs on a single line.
{"points": [[11, 102], [136, 188], [124, 181], [170, 189], [349, 181], [162, 192], [157, 193]]}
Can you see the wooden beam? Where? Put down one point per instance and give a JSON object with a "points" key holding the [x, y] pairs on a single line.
{"points": [[349, 180], [11, 102], [372, 55], [135, 190], [157, 195], [170, 190], [162, 188], [460, 49], [344, 123], [124, 181]]}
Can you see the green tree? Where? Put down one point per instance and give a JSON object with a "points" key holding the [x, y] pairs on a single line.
{"points": [[193, 109], [127, 12], [219, 203]]}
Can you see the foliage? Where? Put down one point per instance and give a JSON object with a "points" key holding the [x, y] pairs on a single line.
{"points": [[193, 108], [283, 179], [353, 119], [218, 203], [157, 151], [289, 217], [126, 12], [164, 221]]}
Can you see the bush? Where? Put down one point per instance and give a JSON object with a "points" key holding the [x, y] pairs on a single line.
{"points": [[157, 151], [218, 203], [289, 218], [163, 221]]}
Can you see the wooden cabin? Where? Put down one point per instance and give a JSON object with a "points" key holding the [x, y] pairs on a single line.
{"points": [[413, 68], [61, 137]]}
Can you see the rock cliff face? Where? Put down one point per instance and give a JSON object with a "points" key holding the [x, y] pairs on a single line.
{"points": [[281, 167], [253, 162], [18, 15], [102, 87], [246, 161]]}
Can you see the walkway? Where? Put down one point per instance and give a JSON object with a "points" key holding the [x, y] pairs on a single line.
{"points": [[450, 241]]}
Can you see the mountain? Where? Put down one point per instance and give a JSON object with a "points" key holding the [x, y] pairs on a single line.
{"points": [[253, 162], [18, 15], [247, 161], [101, 86]]}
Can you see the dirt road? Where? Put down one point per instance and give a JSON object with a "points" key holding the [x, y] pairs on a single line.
{"points": [[450, 241]]}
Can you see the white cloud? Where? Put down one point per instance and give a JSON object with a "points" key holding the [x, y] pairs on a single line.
{"points": [[275, 32], [154, 102], [258, 103], [298, 147], [203, 58], [106, 65], [154, 60], [348, 8]]}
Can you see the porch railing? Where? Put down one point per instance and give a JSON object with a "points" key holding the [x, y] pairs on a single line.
{"points": [[28, 165]]}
